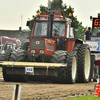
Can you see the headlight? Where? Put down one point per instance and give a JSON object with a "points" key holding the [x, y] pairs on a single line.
{"points": [[42, 51], [32, 51]]}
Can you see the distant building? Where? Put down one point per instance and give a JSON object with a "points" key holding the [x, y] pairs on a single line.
{"points": [[15, 34]]}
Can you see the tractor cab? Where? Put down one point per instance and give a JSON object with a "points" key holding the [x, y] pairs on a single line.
{"points": [[41, 29], [7, 46], [50, 33], [60, 25]]}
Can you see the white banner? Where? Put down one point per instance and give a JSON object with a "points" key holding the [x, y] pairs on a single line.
{"points": [[94, 46]]}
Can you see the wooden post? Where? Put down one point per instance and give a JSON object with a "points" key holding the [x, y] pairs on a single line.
{"points": [[16, 92]]}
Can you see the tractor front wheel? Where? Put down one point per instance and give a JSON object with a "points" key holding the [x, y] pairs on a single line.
{"points": [[65, 74], [84, 60]]}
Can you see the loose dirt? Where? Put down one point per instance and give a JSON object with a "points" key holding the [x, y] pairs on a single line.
{"points": [[45, 90]]}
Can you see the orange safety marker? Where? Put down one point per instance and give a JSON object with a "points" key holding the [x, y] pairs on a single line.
{"points": [[97, 88]]}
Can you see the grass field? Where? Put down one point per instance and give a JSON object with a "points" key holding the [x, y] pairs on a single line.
{"points": [[0, 69], [90, 97]]}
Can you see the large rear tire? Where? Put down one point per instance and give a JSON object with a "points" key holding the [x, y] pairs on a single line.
{"points": [[8, 54], [25, 45], [20, 56], [84, 60], [65, 74], [59, 57], [92, 67], [2, 57], [5, 76], [76, 47], [71, 70], [95, 74], [31, 58]]}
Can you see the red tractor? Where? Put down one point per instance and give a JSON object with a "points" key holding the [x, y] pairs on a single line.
{"points": [[7, 45], [52, 53]]}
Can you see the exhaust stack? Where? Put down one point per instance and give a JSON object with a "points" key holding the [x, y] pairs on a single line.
{"points": [[49, 25]]}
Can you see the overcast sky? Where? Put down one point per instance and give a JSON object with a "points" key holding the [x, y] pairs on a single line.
{"points": [[11, 11]]}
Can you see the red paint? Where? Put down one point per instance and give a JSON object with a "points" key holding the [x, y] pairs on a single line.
{"points": [[47, 16], [47, 42], [71, 46], [54, 38], [97, 90], [52, 44], [33, 29], [9, 40], [97, 63]]}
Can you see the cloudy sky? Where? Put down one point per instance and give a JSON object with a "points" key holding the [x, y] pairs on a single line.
{"points": [[12, 10]]}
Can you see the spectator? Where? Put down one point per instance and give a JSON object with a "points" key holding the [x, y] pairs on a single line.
{"points": [[87, 35]]}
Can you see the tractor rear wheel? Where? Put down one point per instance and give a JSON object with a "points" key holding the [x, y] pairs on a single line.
{"points": [[59, 57], [5, 76], [65, 74], [13, 55], [76, 47], [84, 60], [95, 74], [25, 45], [20, 56], [8, 53], [2, 57], [92, 69], [71, 70], [31, 58]]}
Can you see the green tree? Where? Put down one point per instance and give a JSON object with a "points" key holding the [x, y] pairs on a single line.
{"points": [[58, 5], [42, 10]]}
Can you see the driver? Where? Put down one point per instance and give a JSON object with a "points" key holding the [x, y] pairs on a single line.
{"points": [[9, 48], [55, 32]]}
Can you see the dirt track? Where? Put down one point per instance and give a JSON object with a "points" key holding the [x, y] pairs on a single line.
{"points": [[45, 90]]}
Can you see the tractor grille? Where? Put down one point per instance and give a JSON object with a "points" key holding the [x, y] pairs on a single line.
{"points": [[37, 43]]}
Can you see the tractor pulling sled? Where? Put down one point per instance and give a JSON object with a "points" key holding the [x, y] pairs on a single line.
{"points": [[52, 53]]}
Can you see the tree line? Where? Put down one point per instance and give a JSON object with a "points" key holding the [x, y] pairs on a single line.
{"points": [[79, 29]]}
